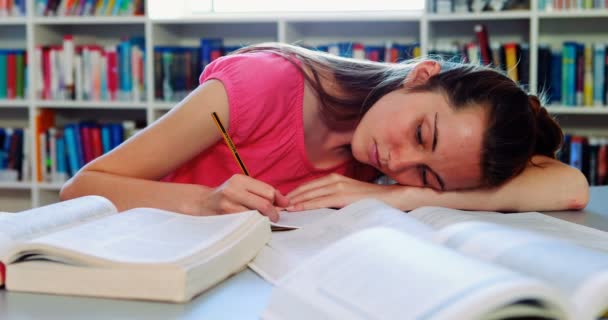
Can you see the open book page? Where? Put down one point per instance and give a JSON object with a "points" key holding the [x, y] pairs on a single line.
{"points": [[143, 235], [288, 249], [439, 217], [298, 219], [581, 273], [380, 273], [35, 222]]}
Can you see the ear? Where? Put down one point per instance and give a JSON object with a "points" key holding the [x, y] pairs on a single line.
{"points": [[421, 73]]}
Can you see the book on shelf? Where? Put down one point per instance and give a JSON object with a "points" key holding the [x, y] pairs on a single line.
{"points": [[86, 247], [63, 150], [90, 72], [12, 8], [12, 74], [574, 75], [588, 154], [471, 6], [559, 5], [371, 261], [89, 7], [14, 154]]}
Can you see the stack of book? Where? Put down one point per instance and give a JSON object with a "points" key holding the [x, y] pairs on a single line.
{"points": [[91, 72]]}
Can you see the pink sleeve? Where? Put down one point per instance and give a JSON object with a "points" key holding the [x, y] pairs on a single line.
{"points": [[261, 89]]}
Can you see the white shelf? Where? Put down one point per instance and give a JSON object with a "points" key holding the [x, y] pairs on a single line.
{"points": [[88, 20], [507, 15], [11, 21], [596, 110], [127, 105], [19, 103], [49, 186], [15, 185]]}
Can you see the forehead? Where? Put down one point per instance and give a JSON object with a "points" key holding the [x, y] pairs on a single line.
{"points": [[457, 158]]}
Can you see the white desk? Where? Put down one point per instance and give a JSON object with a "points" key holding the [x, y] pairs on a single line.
{"points": [[243, 296]]}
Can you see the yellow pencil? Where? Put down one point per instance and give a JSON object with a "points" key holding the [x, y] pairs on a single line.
{"points": [[229, 143]]}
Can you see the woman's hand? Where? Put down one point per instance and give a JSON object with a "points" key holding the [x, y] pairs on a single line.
{"points": [[336, 191], [242, 193]]}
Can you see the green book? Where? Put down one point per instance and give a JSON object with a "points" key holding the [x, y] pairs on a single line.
{"points": [[20, 81], [3, 74]]}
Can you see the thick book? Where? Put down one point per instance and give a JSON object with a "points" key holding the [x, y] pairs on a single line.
{"points": [[86, 247], [371, 261]]}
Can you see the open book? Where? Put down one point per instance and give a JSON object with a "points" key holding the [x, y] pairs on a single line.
{"points": [[85, 247], [371, 261]]}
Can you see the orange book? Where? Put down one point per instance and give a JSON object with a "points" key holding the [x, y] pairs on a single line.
{"points": [[511, 60], [45, 118]]}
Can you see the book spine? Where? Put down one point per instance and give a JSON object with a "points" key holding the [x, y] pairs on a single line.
{"points": [[481, 31], [588, 81], [3, 74], [598, 73], [11, 75]]}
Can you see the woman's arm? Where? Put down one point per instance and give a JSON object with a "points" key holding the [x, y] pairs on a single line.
{"points": [[129, 174], [547, 186]]}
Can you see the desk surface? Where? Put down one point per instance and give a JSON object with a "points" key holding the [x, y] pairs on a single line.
{"points": [[243, 296]]}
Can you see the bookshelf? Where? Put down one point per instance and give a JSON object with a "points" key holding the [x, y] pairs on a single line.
{"points": [[429, 29]]}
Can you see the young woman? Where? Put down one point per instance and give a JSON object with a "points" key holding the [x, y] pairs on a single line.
{"points": [[316, 130]]}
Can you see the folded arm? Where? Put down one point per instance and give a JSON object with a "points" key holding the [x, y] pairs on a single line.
{"points": [[545, 185]]}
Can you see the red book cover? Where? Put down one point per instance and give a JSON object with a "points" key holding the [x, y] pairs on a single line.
{"points": [[46, 72], [373, 55], [96, 141], [11, 75], [85, 137], [481, 31], [112, 74], [2, 274]]}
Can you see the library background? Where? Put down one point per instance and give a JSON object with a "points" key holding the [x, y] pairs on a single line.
{"points": [[78, 77]]}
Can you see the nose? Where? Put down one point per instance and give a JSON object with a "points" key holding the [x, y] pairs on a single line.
{"points": [[402, 159]]}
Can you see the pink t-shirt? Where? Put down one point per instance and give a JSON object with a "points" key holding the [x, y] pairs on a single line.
{"points": [[265, 95]]}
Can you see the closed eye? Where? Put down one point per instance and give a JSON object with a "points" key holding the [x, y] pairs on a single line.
{"points": [[419, 134], [423, 178]]}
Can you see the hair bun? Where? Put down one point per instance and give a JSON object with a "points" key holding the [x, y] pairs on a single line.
{"points": [[549, 135]]}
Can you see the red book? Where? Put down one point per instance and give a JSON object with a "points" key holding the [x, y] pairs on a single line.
{"points": [[2, 274], [46, 72], [11, 76], [85, 137], [96, 141], [112, 73], [481, 31]]}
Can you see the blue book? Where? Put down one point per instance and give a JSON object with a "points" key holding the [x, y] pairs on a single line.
{"points": [[599, 54], [210, 48], [116, 134], [61, 155], [3, 154], [124, 68], [79, 146], [3, 74], [6, 148], [556, 77], [576, 152], [106, 140], [569, 73], [71, 152]]}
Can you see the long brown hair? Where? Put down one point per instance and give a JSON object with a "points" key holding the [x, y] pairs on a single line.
{"points": [[518, 126]]}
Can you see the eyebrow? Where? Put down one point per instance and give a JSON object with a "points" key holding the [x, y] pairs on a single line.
{"points": [[439, 180]]}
